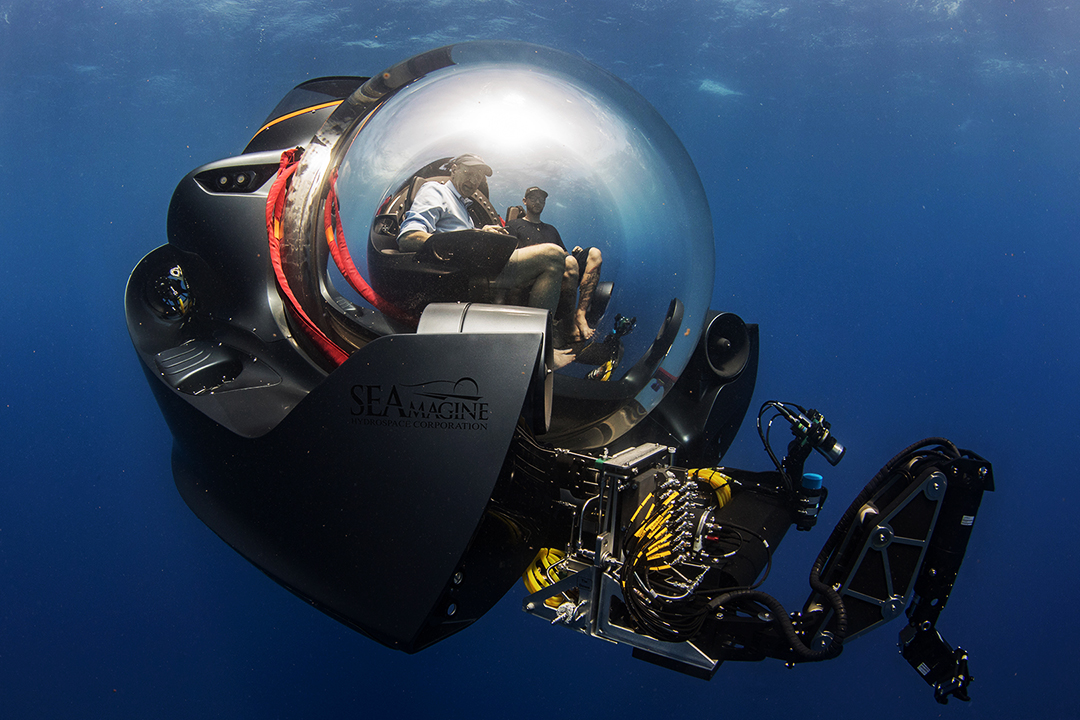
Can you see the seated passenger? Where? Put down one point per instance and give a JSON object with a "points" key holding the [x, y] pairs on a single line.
{"points": [[581, 269], [443, 207]]}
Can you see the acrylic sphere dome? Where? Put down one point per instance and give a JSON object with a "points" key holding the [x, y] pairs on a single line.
{"points": [[617, 180]]}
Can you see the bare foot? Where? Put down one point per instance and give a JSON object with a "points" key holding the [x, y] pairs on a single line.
{"points": [[581, 330]]}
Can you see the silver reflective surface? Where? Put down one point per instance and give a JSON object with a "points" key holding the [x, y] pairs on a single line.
{"points": [[617, 177]]}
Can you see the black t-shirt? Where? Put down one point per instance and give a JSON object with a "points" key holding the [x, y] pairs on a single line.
{"points": [[529, 233]]}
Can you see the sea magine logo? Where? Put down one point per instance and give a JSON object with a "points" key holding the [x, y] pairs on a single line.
{"points": [[432, 405]]}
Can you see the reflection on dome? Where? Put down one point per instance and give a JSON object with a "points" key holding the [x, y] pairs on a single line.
{"points": [[617, 180]]}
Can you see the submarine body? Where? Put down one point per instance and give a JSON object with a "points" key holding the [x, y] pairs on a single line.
{"points": [[388, 435]]}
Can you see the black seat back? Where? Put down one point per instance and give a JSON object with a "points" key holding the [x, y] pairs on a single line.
{"points": [[457, 267]]}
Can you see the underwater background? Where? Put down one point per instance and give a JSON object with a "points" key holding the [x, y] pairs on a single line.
{"points": [[895, 190]]}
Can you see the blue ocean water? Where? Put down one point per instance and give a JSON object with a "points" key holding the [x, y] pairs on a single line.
{"points": [[895, 190]]}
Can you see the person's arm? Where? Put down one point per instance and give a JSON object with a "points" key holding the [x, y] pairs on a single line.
{"points": [[421, 219], [412, 241]]}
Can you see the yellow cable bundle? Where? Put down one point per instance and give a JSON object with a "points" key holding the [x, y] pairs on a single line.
{"points": [[720, 482], [648, 504], [654, 525], [538, 575]]}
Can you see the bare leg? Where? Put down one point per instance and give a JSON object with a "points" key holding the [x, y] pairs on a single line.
{"points": [[589, 278], [568, 294], [540, 269]]}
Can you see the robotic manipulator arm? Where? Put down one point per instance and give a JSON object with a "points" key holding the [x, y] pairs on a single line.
{"points": [[669, 560]]}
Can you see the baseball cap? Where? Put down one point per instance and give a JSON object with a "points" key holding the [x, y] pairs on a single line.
{"points": [[470, 160]]}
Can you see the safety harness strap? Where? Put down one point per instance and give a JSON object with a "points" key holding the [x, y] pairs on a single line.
{"points": [[339, 250], [275, 204]]}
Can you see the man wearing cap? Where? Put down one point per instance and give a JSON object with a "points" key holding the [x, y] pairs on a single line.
{"points": [[581, 268], [443, 207]]}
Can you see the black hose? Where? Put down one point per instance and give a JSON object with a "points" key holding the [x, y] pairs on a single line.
{"points": [[781, 616]]}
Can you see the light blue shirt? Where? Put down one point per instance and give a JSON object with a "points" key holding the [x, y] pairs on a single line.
{"points": [[437, 207]]}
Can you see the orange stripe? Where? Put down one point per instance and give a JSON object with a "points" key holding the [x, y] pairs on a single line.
{"points": [[313, 108]]}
